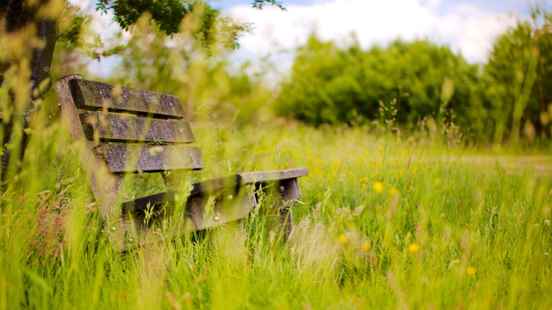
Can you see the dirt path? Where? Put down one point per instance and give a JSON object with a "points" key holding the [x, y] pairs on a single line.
{"points": [[540, 164]]}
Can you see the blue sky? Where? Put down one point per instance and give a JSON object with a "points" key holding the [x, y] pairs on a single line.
{"points": [[467, 26], [496, 5]]}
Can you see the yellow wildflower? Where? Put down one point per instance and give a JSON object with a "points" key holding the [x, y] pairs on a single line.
{"points": [[365, 247], [377, 187], [413, 248], [471, 271], [343, 239]]}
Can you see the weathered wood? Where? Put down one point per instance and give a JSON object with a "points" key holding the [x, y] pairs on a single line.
{"points": [[140, 205], [219, 186], [104, 185], [286, 193], [117, 138], [128, 127], [289, 189], [227, 186], [96, 95], [275, 175], [289, 193], [228, 201], [224, 209], [201, 212], [125, 157]]}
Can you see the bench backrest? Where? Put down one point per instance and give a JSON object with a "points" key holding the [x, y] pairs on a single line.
{"points": [[133, 131], [125, 131]]}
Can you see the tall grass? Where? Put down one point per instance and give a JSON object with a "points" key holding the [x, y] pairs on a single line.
{"points": [[382, 223]]}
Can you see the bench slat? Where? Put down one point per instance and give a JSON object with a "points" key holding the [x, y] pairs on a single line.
{"points": [[231, 204], [117, 126], [96, 95], [124, 157], [274, 175]]}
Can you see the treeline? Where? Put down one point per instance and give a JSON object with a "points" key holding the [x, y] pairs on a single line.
{"points": [[402, 85], [406, 83]]}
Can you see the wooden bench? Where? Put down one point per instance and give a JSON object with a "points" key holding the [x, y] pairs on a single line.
{"points": [[129, 131]]}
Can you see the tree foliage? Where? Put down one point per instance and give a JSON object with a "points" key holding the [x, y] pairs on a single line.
{"points": [[509, 96], [167, 13], [330, 84], [518, 80], [217, 92]]}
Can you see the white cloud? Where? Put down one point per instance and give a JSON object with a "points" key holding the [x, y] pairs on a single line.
{"points": [[102, 23], [466, 28], [107, 29]]}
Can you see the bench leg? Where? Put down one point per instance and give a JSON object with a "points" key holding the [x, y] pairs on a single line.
{"points": [[289, 193], [225, 209]]}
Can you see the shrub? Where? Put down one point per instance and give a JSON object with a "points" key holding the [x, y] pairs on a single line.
{"points": [[330, 84], [518, 79]]}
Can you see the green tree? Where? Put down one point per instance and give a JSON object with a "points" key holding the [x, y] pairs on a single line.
{"points": [[329, 84], [518, 80], [197, 76], [40, 18], [29, 31]]}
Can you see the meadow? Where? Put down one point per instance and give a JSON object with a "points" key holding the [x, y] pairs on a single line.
{"points": [[384, 222], [429, 185]]}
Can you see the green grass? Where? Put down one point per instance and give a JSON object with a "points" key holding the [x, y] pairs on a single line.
{"points": [[383, 222]]}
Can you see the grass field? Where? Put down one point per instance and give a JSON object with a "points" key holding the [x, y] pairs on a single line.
{"points": [[383, 222]]}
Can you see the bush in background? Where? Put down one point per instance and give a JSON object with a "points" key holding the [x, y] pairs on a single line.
{"points": [[509, 96], [518, 81], [420, 79]]}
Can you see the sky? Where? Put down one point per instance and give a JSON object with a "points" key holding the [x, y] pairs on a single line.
{"points": [[467, 26]]}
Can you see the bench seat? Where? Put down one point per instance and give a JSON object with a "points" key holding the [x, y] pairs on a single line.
{"points": [[124, 131], [235, 197]]}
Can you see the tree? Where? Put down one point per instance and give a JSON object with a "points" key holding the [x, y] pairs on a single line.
{"points": [[29, 32], [419, 79], [518, 80], [15, 15]]}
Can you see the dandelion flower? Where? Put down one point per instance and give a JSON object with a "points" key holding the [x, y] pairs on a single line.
{"points": [[365, 247], [377, 187], [413, 248], [471, 271], [343, 240]]}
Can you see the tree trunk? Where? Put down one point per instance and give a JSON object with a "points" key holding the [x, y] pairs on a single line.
{"points": [[42, 57], [15, 15]]}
